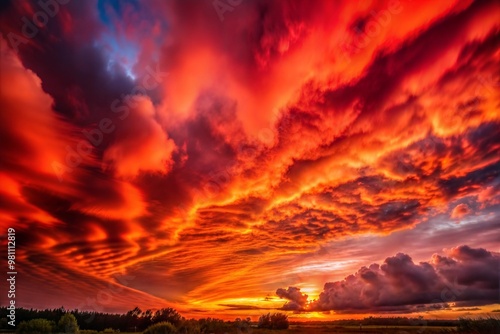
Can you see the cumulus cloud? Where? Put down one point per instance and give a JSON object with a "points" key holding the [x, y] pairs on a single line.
{"points": [[296, 299], [467, 276]]}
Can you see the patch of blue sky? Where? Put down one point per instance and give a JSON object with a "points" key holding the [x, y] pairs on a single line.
{"points": [[120, 51]]}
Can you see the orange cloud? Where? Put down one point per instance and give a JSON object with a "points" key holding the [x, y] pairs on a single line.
{"points": [[287, 143], [460, 211], [140, 143]]}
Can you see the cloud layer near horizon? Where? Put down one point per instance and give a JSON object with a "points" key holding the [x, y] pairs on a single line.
{"points": [[466, 277], [138, 138]]}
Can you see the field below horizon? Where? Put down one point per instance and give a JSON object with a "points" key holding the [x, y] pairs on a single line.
{"points": [[332, 328], [327, 328]]}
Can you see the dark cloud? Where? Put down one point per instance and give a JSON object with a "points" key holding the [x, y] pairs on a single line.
{"points": [[296, 300], [467, 309], [465, 276]]}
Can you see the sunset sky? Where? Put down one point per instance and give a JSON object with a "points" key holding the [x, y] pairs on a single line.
{"points": [[229, 158]]}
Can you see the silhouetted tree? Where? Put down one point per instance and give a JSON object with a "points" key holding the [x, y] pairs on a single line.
{"points": [[265, 321], [189, 327], [136, 312], [36, 326], [68, 324], [243, 325], [161, 328], [167, 314], [274, 321], [210, 325]]}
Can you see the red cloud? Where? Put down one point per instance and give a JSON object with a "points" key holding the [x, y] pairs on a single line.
{"points": [[284, 128], [140, 143], [460, 211]]}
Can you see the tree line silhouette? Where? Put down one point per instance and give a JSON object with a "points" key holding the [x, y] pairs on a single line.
{"points": [[137, 320], [133, 320]]}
